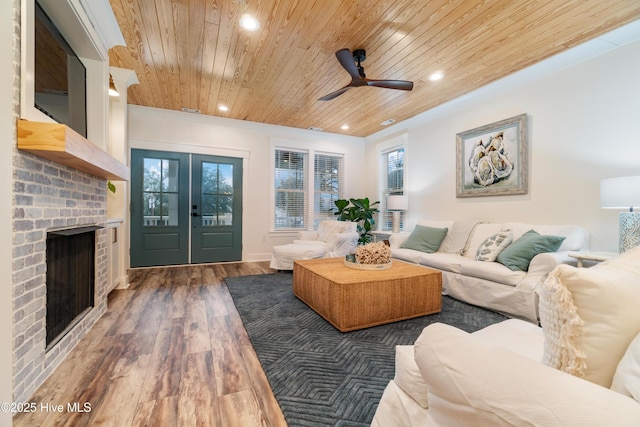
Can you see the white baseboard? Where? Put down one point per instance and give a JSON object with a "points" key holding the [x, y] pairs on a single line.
{"points": [[123, 282], [257, 257]]}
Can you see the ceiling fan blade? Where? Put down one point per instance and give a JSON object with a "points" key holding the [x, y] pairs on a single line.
{"points": [[391, 84], [345, 58], [335, 94]]}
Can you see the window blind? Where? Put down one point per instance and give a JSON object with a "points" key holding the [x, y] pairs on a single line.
{"points": [[391, 183], [327, 181], [290, 190]]}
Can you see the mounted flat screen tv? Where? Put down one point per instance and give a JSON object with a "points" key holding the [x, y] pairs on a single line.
{"points": [[59, 76]]}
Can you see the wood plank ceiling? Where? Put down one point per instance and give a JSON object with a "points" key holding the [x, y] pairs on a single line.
{"points": [[192, 53]]}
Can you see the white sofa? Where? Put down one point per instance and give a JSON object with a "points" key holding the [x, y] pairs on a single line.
{"points": [[491, 284], [581, 368], [331, 239]]}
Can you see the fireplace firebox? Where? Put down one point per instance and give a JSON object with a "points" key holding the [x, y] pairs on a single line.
{"points": [[70, 279]]}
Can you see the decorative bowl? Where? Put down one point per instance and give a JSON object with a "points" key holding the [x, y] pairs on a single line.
{"points": [[370, 267]]}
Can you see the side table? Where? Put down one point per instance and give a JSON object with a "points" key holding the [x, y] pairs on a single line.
{"points": [[591, 256], [381, 236]]}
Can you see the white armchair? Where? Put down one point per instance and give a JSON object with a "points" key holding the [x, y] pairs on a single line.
{"points": [[581, 368], [332, 239]]}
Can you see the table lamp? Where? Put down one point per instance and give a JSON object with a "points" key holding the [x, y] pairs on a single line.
{"points": [[397, 204], [623, 193]]}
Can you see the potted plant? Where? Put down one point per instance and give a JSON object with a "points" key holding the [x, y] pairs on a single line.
{"points": [[360, 211]]}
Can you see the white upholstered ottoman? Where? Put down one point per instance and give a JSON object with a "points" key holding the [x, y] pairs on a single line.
{"points": [[283, 256]]}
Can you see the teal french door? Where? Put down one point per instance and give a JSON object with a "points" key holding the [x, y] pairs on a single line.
{"points": [[216, 209], [185, 208]]}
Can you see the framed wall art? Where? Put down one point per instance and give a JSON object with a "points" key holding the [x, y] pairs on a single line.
{"points": [[492, 159]]}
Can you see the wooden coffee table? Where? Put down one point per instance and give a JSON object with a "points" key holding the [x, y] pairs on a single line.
{"points": [[352, 299]]}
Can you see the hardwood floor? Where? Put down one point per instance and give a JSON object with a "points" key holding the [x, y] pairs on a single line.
{"points": [[170, 351]]}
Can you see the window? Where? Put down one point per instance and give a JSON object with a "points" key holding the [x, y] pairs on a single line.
{"points": [[290, 190], [327, 182], [306, 185], [391, 183]]}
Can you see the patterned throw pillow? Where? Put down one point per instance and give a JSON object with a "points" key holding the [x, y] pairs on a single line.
{"points": [[492, 246]]}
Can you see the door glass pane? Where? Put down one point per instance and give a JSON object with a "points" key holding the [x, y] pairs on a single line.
{"points": [[217, 194], [225, 210], [208, 209], [226, 181], [151, 210], [170, 176], [160, 192], [170, 209], [209, 178], [151, 181]]}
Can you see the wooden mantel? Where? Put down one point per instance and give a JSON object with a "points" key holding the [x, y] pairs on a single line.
{"points": [[63, 145]]}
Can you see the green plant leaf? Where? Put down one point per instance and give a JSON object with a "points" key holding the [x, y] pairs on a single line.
{"points": [[341, 204], [360, 203], [360, 211]]}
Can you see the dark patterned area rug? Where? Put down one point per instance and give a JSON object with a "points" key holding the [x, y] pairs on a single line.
{"points": [[320, 376]]}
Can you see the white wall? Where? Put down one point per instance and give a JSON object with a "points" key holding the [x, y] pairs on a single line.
{"points": [[166, 130], [9, 85], [583, 125]]}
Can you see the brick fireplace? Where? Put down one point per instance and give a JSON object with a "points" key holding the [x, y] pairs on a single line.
{"points": [[49, 196]]}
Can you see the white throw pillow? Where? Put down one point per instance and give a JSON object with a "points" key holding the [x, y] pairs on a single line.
{"points": [[328, 229], [626, 380], [590, 316], [455, 242], [492, 246]]}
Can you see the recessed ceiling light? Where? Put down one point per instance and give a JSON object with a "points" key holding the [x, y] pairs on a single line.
{"points": [[223, 107], [344, 127], [436, 76], [249, 23]]}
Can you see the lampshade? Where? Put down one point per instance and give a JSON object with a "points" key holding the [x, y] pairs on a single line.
{"points": [[397, 203], [620, 193]]}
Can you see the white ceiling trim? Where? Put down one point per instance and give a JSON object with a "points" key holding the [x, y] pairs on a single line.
{"points": [[104, 22]]}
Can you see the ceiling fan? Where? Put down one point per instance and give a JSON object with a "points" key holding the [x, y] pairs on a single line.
{"points": [[358, 78]]}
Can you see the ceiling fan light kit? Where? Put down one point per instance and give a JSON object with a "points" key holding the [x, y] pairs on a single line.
{"points": [[351, 62]]}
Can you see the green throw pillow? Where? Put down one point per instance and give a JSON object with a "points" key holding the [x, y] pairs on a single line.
{"points": [[519, 254], [425, 239]]}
